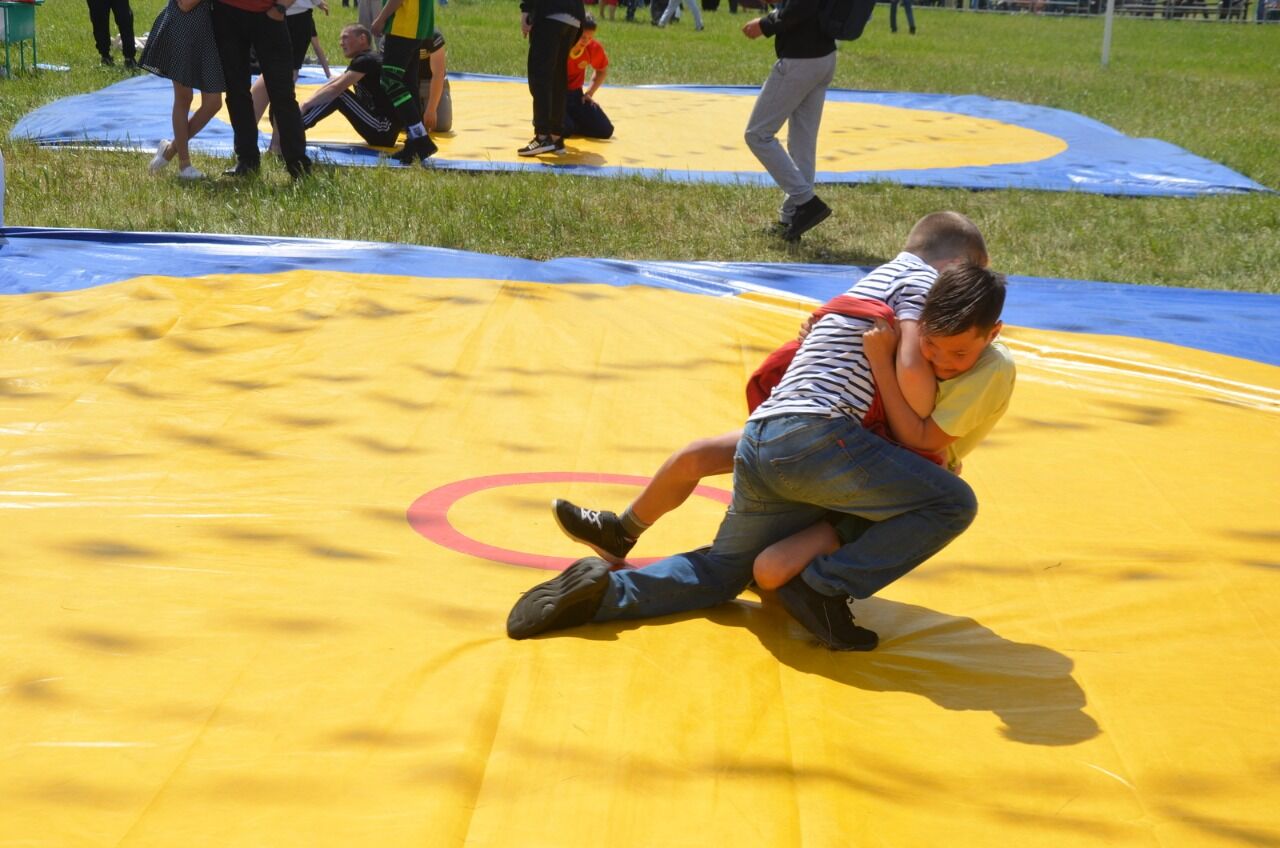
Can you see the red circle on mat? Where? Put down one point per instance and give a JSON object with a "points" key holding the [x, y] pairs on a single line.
{"points": [[429, 514]]}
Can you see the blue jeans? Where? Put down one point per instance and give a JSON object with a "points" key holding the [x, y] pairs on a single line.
{"points": [[788, 472]]}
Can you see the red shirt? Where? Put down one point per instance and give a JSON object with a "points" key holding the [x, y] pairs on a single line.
{"points": [[251, 5], [580, 57]]}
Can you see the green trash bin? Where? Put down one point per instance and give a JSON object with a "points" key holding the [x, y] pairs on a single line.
{"points": [[17, 27]]}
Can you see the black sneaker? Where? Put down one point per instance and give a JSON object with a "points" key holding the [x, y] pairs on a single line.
{"points": [[807, 216], [828, 618], [564, 601], [416, 150], [601, 531], [240, 169], [538, 145], [107, 61], [778, 228], [559, 146]]}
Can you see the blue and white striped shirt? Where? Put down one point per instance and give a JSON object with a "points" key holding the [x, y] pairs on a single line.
{"points": [[830, 375]]}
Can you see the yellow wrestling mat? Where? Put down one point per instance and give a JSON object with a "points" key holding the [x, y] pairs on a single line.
{"points": [[221, 629], [702, 131]]}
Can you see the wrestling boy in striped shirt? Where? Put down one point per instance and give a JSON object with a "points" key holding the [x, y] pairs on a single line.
{"points": [[810, 449]]}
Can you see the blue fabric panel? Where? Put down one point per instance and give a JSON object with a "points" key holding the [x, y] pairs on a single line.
{"points": [[134, 115], [1237, 324]]}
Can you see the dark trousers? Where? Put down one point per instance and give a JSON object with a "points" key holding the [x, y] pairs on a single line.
{"points": [[235, 31], [377, 130], [583, 117], [549, 45], [100, 12], [399, 78]]}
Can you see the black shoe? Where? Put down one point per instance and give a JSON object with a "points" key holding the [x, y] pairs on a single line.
{"points": [[778, 228], [913, 30], [107, 61], [131, 65], [300, 169], [600, 531], [807, 216], [240, 169], [826, 617], [559, 146], [416, 150], [538, 145], [564, 601]]}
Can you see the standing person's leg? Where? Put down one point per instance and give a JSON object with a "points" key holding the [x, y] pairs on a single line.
{"points": [[911, 19], [543, 46], [100, 20], [806, 120], [789, 83], [230, 35], [672, 5], [123, 14], [178, 148], [275, 57], [893, 15], [566, 37], [695, 6]]}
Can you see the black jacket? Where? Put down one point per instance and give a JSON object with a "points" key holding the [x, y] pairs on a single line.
{"points": [[537, 9], [797, 34]]}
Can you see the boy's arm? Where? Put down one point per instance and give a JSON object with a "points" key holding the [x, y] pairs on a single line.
{"points": [[597, 80], [436, 89], [915, 377], [908, 427], [380, 22]]}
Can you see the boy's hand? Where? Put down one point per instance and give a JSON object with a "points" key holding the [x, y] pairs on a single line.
{"points": [[751, 29], [880, 342], [806, 327]]}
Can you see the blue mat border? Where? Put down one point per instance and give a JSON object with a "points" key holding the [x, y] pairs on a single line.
{"points": [[1098, 158], [1240, 324]]}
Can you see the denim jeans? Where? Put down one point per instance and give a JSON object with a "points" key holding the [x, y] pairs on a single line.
{"points": [[788, 472]]}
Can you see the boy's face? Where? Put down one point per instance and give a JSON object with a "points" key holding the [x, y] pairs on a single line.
{"points": [[951, 356], [588, 35]]}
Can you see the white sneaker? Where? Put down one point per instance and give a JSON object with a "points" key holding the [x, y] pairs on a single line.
{"points": [[158, 162], [190, 173]]}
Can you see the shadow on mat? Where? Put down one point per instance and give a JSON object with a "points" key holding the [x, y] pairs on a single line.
{"points": [[953, 661]]}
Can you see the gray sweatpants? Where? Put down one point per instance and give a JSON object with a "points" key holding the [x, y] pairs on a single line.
{"points": [[793, 94]]}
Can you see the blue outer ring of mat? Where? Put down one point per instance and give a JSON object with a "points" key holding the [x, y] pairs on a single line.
{"points": [[1241, 324], [1098, 159]]}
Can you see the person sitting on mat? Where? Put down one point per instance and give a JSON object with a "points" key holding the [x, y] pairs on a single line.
{"points": [[906, 508], [582, 115], [357, 93], [433, 85]]}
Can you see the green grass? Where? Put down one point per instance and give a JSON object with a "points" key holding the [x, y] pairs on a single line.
{"points": [[1205, 86]]}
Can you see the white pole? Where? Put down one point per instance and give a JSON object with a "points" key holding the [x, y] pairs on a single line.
{"points": [[1106, 33]]}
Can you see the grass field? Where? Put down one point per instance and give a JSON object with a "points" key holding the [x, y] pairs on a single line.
{"points": [[1205, 86]]}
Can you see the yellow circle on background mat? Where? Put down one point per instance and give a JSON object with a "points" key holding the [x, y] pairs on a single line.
{"points": [[220, 629], [702, 131]]}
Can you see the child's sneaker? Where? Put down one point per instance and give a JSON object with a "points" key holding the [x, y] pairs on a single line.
{"points": [[158, 162], [538, 145], [416, 150], [567, 600], [600, 531], [190, 172], [829, 618], [559, 146]]}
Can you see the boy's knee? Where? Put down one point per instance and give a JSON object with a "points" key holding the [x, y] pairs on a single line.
{"points": [[769, 571], [962, 509], [704, 457]]}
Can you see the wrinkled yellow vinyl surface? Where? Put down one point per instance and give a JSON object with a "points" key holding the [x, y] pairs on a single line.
{"points": [[702, 131], [219, 628]]}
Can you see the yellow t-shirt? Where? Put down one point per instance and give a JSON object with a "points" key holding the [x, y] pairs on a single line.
{"points": [[969, 405]]}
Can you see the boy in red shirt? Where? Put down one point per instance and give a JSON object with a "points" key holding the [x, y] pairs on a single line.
{"points": [[582, 115]]}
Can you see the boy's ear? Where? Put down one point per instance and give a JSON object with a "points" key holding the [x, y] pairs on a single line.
{"points": [[995, 331]]}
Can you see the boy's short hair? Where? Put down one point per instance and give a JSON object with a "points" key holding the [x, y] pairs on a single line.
{"points": [[588, 22], [964, 298], [940, 236], [360, 29]]}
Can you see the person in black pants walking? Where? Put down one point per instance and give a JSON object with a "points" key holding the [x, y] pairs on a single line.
{"points": [[237, 25], [552, 27], [100, 12]]}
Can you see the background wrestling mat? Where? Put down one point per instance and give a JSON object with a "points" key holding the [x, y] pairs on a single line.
{"points": [[231, 617], [694, 133]]}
